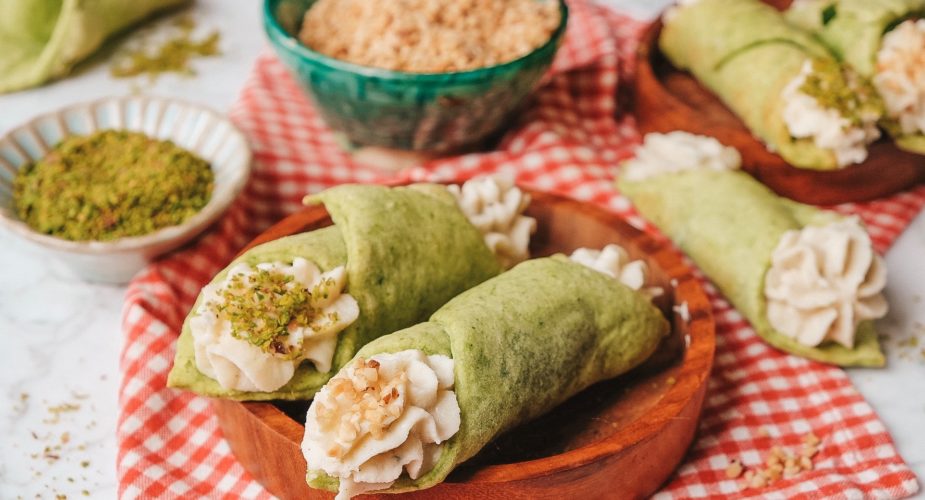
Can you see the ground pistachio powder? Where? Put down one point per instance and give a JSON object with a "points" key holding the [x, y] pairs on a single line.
{"points": [[109, 185]]}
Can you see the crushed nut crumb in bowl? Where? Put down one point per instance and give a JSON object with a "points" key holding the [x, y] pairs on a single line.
{"points": [[198, 131], [415, 110]]}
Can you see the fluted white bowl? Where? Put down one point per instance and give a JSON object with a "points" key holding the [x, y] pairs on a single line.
{"points": [[199, 130]]}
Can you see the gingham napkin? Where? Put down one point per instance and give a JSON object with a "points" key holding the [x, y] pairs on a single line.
{"points": [[567, 142]]}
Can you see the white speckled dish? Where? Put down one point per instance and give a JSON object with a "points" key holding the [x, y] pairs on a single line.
{"points": [[197, 129]]}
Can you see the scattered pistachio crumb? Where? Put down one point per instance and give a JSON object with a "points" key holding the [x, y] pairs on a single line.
{"points": [[171, 56], [111, 184], [263, 317], [671, 381]]}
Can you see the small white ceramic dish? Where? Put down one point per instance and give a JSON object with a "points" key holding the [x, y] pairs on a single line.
{"points": [[197, 129]]}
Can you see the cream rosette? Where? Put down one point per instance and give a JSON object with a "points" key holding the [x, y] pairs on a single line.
{"points": [[678, 152], [495, 206], [806, 118], [614, 261], [900, 75], [823, 281], [380, 417], [253, 329]]}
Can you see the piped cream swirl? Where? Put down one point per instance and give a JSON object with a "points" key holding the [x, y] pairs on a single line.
{"points": [[900, 75], [615, 262], [495, 206], [806, 118], [380, 417], [238, 362], [823, 281], [677, 152]]}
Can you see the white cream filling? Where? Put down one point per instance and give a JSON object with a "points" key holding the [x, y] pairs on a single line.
{"points": [[677, 152], [806, 119], [900, 75], [823, 281], [380, 417], [615, 262], [240, 365], [495, 206]]}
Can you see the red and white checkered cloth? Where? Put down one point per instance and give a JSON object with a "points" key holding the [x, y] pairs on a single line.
{"points": [[567, 142]]}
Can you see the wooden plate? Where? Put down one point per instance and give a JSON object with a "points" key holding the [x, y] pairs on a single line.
{"points": [[668, 99], [625, 435]]}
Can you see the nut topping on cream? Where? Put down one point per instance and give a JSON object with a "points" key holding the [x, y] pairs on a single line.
{"points": [[495, 206], [900, 75], [676, 152], [806, 118], [252, 329], [380, 417], [823, 281], [613, 261]]}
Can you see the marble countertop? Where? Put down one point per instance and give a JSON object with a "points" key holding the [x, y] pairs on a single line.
{"points": [[59, 372]]}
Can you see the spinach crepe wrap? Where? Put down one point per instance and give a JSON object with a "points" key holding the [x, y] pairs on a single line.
{"points": [[784, 84], [883, 40], [44, 39], [402, 253], [511, 348], [744, 237]]}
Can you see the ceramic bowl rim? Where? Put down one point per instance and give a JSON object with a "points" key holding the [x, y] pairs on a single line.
{"points": [[199, 221], [276, 33]]}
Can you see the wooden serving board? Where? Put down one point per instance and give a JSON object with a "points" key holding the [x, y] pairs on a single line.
{"points": [[620, 438], [668, 99]]}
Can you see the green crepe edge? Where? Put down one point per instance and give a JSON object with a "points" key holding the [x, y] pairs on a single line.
{"points": [[866, 351], [724, 69], [44, 41], [432, 338], [434, 211]]}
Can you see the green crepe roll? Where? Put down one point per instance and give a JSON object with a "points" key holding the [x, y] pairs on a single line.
{"points": [[406, 251], [747, 54], [854, 30], [730, 224], [44, 39], [521, 343]]}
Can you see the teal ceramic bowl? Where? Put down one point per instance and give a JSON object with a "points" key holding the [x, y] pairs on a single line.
{"points": [[433, 112]]}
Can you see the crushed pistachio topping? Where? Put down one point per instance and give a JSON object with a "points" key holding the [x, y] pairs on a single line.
{"points": [[171, 56], [362, 404], [842, 89], [262, 308], [111, 184]]}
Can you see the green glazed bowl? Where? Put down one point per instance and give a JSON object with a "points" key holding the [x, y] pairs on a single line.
{"points": [[433, 112]]}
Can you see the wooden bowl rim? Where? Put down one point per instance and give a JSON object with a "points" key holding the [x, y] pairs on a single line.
{"points": [[697, 360]]}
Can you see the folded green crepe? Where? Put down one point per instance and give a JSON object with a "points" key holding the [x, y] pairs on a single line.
{"points": [[522, 343], [407, 251], [730, 224], [746, 53], [854, 30], [44, 39]]}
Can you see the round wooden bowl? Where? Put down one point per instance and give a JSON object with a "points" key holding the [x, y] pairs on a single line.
{"points": [[668, 99], [622, 437]]}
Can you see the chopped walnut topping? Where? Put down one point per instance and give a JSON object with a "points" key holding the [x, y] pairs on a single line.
{"points": [[734, 469], [361, 403]]}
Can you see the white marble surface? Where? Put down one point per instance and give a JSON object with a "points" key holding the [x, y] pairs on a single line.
{"points": [[61, 337]]}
